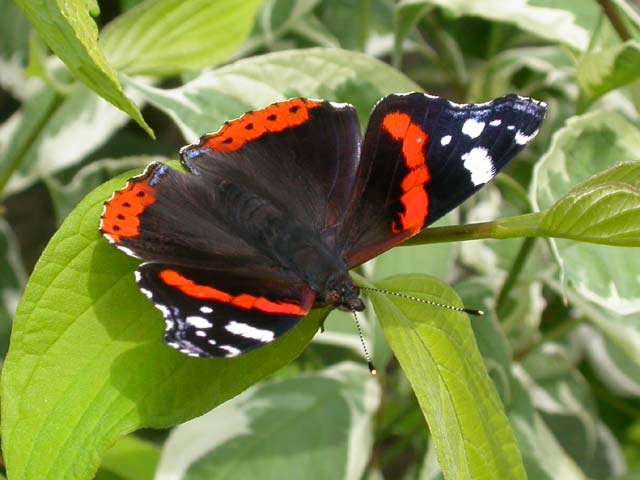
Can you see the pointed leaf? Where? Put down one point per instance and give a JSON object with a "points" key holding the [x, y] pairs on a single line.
{"points": [[605, 209], [437, 351], [69, 30]]}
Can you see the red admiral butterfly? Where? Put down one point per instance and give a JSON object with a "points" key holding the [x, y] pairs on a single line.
{"points": [[281, 203]]}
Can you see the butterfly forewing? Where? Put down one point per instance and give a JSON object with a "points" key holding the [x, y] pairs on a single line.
{"points": [[422, 156]]}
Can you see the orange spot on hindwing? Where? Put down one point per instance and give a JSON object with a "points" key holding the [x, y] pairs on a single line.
{"points": [[414, 199], [243, 300], [250, 126]]}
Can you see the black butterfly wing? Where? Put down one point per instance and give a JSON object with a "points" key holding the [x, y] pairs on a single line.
{"points": [[213, 314], [422, 156]]}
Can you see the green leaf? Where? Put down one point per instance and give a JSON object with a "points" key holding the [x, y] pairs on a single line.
{"points": [[204, 103], [543, 456], [168, 37], [87, 363], [69, 30], [132, 458], [604, 70], [600, 210], [553, 20], [586, 146], [311, 426], [437, 351]]}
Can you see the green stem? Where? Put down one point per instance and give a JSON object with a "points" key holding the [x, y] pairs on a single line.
{"points": [[14, 158], [514, 273], [363, 24], [508, 227], [616, 20]]}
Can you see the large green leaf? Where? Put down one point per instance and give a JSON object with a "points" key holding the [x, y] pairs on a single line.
{"points": [[586, 146], [168, 37], [604, 70], [67, 27], [561, 21], [437, 351], [311, 426], [605, 209], [204, 103], [87, 363]]}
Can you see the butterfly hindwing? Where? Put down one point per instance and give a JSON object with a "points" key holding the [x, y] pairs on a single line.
{"points": [[422, 156], [209, 314]]}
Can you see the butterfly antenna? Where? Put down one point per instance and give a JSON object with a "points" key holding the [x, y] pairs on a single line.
{"points": [[372, 369], [470, 311]]}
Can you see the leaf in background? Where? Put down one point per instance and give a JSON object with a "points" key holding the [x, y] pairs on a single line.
{"points": [[605, 209], [312, 426], [587, 145], [169, 37], [204, 103], [87, 363], [13, 278], [543, 456], [437, 352], [602, 71], [14, 49], [561, 21], [69, 30], [53, 133], [132, 458], [563, 398]]}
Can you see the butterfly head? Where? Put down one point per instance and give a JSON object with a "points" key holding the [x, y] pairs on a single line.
{"points": [[340, 292]]}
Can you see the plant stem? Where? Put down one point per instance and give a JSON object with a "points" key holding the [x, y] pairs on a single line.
{"points": [[363, 24], [508, 227], [612, 14], [34, 129], [514, 272]]}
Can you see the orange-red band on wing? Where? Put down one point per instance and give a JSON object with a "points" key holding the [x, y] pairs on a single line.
{"points": [[274, 118], [244, 300], [121, 214], [414, 198]]}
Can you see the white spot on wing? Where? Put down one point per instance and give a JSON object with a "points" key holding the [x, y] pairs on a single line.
{"points": [[233, 352], [495, 123], [473, 128], [137, 275], [206, 309], [211, 341], [165, 311], [480, 165], [199, 322], [446, 140], [201, 333], [522, 139], [126, 250], [247, 331], [146, 293], [511, 127]]}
